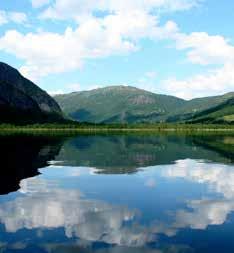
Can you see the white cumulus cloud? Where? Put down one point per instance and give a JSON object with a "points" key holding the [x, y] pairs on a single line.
{"points": [[205, 50], [15, 17], [80, 9], [109, 27], [50, 53], [40, 3]]}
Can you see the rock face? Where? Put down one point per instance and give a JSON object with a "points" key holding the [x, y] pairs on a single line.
{"points": [[22, 100]]}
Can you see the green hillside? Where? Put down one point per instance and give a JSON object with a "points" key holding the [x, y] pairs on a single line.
{"points": [[124, 104], [118, 104], [193, 107], [223, 113]]}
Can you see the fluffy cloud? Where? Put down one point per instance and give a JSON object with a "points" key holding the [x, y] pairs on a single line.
{"points": [[16, 17], [40, 3], [204, 49], [48, 53], [3, 18], [80, 9], [117, 30], [214, 82], [110, 27]]}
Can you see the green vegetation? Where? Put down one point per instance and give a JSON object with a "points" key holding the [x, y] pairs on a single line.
{"points": [[223, 113], [229, 118], [194, 107], [121, 104], [108, 128]]}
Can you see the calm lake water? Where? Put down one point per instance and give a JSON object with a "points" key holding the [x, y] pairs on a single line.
{"points": [[112, 194]]}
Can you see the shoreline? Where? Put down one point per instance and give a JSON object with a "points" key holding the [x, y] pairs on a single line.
{"points": [[141, 128], [96, 130]]}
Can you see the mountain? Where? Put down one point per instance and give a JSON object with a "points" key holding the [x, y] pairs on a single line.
{"points": [[117, 104], [125, 104], [223, 113], [22, 101], [193, 108]]}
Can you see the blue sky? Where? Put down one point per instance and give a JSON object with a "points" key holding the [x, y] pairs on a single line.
{"points": [[177, 47]]}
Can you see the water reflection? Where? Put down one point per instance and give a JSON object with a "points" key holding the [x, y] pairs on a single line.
{"points": [[43, 205], [22, 156], [113, 194], [125, 154], [208, 210], [51, 207]]}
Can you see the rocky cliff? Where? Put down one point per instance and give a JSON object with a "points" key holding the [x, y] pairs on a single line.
{"points": [[22, 100]]}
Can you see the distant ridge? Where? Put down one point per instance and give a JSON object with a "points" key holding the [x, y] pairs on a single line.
{"points": [[127, 104], [122, 104]]}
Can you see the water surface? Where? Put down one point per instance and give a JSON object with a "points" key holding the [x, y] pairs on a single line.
{"points": [[111, 194]]}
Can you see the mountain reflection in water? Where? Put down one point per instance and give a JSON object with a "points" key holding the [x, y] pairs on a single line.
{"points": [[117, 194]]}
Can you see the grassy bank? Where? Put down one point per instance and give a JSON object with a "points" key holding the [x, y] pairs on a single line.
{"points": [[96, 128]]}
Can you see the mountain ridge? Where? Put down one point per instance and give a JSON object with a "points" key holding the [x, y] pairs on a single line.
{"points": [[23, 101], [128, 104], [116, 103]]}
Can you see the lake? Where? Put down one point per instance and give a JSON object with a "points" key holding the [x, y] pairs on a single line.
{"points": [[117, 193]]}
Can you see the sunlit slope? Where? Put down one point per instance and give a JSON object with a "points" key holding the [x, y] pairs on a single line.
{"points": [[223, 113], [194, 107], [119, 104]]}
